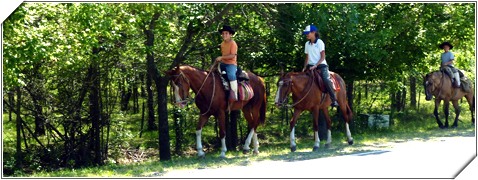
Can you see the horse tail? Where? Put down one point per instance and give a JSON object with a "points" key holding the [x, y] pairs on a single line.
{"points": [[349, 113], [262, 113], [262, 110]]}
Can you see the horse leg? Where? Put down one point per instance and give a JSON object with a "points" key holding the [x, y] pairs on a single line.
{"points": [[221, 117], [315, 115], [292, 123], [248, 116], [255, 143], [457, 112], [347, 115], [435, 112], [329, 125], [471, 102], [446, 109], [202, 120], [254, 124]]}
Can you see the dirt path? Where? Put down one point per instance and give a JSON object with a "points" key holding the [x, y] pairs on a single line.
{"points": [[438, 158]]}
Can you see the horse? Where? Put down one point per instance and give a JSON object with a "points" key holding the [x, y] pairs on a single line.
{"points": [[306, 95], [439, 86], [211, 100]]}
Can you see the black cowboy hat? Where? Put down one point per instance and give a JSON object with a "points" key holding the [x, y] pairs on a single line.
{"points": [[445, 43], [226, 28]]}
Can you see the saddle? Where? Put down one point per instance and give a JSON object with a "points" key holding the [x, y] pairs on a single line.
{"points": [[245, 91], [321, 84], [465, 82]]}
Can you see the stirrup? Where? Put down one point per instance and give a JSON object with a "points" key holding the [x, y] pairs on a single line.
{"points": [[334, 104]]}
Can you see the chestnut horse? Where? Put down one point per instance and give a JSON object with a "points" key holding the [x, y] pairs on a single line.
{"points": [[306, 95], [211, 100], [439, 85]]}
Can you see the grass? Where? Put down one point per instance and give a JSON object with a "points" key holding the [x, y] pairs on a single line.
{"points": [[278, 151], [409, 125]]}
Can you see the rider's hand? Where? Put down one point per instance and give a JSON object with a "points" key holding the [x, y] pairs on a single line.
{"points": [[219, 58], [313, 67]]}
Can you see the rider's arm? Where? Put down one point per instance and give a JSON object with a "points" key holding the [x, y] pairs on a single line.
{"points": [[448, 63], [306, 62], [322, 57]]}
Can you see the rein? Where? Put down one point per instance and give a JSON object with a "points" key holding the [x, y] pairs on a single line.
{"points": [[202, 85], [303, 97], [441, 83]]}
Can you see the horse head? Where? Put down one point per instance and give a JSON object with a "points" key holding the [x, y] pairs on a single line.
{"points": [[430, 82], [284, 88], [181, 86]]}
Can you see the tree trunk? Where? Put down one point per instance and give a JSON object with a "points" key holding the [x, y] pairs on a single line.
{"points": [[142, 122], [322, 126], [11, 100], [403, 100], [231, 130], [95, 140], [135, 98], [19, 154], [151, 124], [413, 92], [164, 147], [177, 119], [161, 89]]}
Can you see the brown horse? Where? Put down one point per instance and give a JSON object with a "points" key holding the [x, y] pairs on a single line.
{"points": [[306, 95], [211, 100], [439, 85]]}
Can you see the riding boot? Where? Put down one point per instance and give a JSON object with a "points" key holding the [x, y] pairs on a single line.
{"points": [[457, 80], [332, 94], [233, 93]]}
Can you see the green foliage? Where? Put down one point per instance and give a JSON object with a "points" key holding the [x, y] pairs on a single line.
{"points": [[49, 49]]}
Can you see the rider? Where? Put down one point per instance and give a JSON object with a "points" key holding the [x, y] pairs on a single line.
{"points": [[447, 59], [315, 59], [229, 58]]}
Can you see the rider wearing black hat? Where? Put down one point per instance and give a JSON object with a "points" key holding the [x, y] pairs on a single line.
{"points": [[229, 58], [447, 59]]}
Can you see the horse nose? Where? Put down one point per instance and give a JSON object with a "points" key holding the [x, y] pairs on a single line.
{"points": [[428, 98]]}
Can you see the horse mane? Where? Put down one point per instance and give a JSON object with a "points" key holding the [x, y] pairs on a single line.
{"points": [[182, 67]]}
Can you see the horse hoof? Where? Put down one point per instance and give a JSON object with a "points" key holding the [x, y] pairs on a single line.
{"points": [[327, 146], [255, 153], [293, 148], [441, 127], [351, 142], [315, 149], [245, 151], [201, 154]]}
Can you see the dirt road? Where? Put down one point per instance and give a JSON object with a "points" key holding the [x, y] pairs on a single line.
{"points": [[437, 158]]}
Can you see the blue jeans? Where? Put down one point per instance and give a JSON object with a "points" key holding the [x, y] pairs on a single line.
{"points": [[231, 70]]}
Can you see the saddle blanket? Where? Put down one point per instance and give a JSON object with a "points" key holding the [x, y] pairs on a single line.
{"points": [[245, 91]]}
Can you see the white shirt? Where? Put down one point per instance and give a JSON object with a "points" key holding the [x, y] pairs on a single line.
{"points": [[313, 50]]}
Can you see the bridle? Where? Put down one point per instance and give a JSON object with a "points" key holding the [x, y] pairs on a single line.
{"points": [[187, 100], [427, 84], [290, 84]]}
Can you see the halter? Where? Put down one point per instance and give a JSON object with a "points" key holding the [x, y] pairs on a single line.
{"points": [[181, 74], [187, 100], [303, 97]]}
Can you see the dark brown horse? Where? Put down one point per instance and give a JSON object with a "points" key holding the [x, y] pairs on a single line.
{"points": [[439, 85], [306, 95], [211, 100]]}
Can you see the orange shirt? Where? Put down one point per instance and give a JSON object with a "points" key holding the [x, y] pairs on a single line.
{"points": [[228, 48]]}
